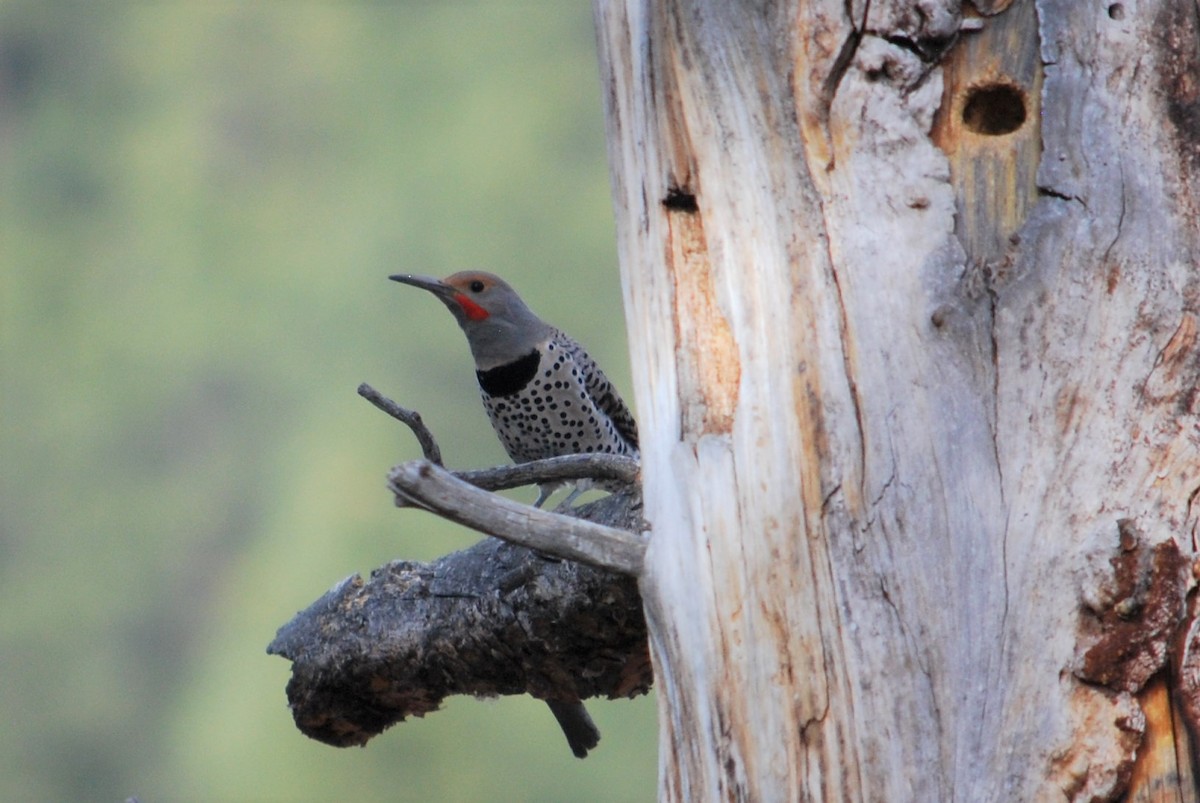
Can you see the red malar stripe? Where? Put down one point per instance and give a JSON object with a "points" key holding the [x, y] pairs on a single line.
{"points": [[473, 310]]}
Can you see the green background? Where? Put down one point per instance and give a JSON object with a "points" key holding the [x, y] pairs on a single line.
{"points": [[200, 205]]}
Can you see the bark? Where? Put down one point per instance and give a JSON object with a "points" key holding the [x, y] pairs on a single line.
{"points": [[499, 618], [493, 619], [914, 312]]}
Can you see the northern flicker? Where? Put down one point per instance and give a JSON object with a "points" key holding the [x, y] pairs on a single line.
{"points": [[545, 397]]}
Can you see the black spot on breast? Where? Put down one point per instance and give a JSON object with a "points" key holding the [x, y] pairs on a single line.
{"points": [[507, 379]]}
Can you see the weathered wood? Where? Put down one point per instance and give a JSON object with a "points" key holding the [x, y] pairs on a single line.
{"points": [[599, 545], [989, 127], [598, 466], [492, 619], [886, 455], [410, 418], [566, 468], [1163, 769]]}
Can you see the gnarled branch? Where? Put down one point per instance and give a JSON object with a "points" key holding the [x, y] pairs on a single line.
{"points": [[497, 618], [492, 619]]}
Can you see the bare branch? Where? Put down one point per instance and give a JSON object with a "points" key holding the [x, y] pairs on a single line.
{"points": [[438, 490], [498, 618], [411, 418], [566, 468], [554, 469]]}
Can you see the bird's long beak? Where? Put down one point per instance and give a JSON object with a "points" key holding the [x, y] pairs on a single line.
{"points": [[430, 283]]}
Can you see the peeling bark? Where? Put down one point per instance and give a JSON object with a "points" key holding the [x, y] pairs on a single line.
{"points": [[1133, 631]]}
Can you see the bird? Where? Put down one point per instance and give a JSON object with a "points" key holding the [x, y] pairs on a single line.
{"points": [[542, 392], [545, 397]]}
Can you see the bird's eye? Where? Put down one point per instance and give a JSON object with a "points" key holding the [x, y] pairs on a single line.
{"points": [[476, 286]]}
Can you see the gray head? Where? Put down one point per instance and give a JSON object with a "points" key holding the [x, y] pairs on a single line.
{"points": [[498, 325]]}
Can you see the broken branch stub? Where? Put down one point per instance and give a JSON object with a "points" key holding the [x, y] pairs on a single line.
{"points": [[492, 619]]}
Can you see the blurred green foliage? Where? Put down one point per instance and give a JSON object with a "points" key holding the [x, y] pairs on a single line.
{"points": [[199, 206]]}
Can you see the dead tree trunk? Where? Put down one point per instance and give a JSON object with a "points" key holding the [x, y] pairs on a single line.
{"points": [[913, 302]]}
